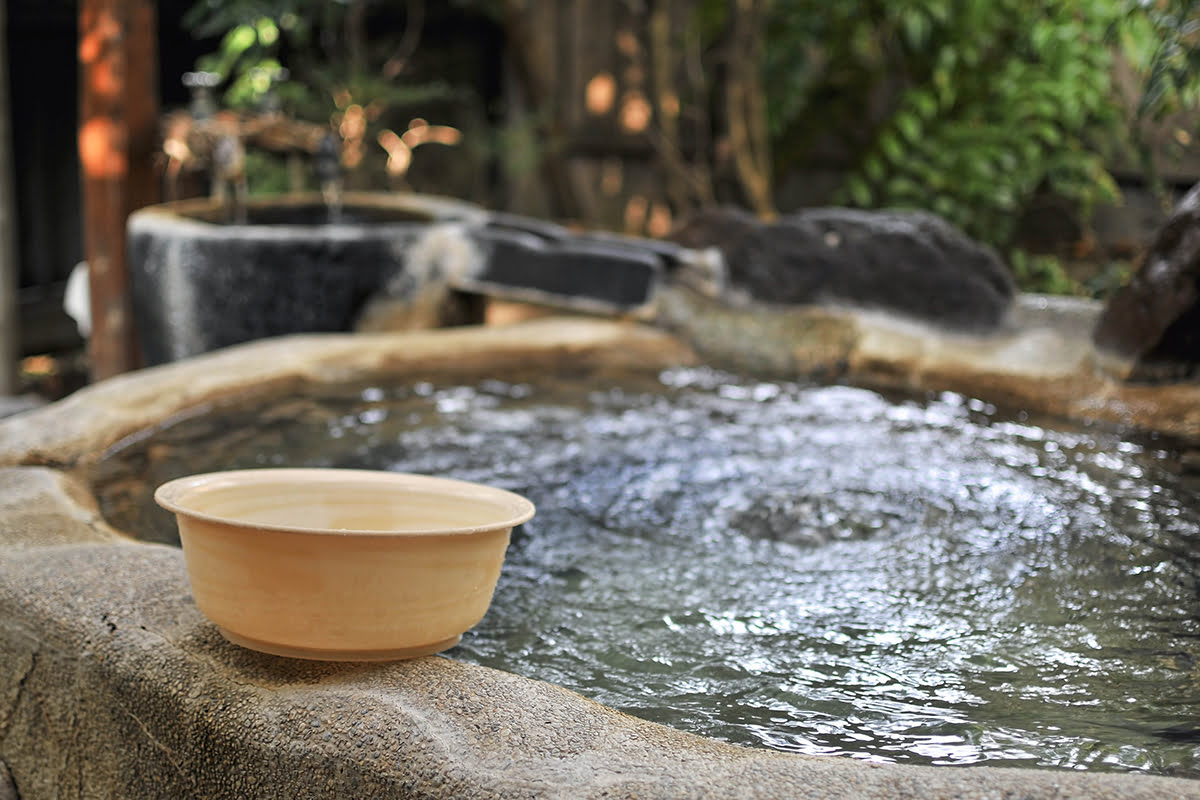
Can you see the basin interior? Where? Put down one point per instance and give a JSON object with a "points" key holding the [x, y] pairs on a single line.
{"points": [[818, 569]]}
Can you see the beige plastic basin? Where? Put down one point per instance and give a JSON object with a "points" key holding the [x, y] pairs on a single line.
{"points": [[342, 564]]}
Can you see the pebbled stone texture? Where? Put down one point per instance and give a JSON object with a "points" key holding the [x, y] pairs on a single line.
{"points": [[909, 262], [7, 790]]}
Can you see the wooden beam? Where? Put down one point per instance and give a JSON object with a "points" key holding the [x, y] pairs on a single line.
{"points": [[9, 330], [118, 108]]}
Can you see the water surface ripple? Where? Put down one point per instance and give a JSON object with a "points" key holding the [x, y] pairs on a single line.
{"points": [[823, 569]]}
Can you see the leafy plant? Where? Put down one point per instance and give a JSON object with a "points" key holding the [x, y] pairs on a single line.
{"points": [[963, 107], [1160, 41], [1161, 38], [1042, 273], [252, 36], [967, 108], [315, 60], [1107, 278]]}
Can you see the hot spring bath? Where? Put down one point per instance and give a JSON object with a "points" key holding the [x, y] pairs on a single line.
{"points": [[813, 569], [798, 568]]}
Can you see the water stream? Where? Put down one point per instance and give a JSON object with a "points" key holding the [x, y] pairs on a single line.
{"points": [[813, 569]]}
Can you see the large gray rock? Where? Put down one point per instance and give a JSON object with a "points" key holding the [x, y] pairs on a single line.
{"points": [[1150, 329], [909, 262]]}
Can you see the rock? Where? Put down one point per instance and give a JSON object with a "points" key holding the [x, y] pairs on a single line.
{"points": [[18, 403], [7, 790], [114, 685], [1150, 329], [909, 262], [593, 274], [41, 507], [518, 259]]}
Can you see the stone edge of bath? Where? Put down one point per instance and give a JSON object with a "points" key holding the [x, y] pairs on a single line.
{"points": [[77, 429], [113, 685], [1043, 361]]}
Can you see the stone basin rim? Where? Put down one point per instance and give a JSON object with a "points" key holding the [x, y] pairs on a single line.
{"points": [[193, 215], [451, 729]]}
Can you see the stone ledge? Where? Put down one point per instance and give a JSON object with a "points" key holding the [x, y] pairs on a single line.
{"points": [[82, 425], [116, 686], [41, 507], [1038, 363]]}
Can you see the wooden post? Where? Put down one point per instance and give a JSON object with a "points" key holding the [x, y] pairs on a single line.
{"points": [[118, 108], [746, 104], [9, 335]]}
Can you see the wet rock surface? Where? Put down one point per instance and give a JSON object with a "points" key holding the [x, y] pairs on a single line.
{"points": [[913, 263], [1151, 326], [537, 263]]}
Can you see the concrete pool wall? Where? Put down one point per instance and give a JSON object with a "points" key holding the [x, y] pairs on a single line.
{"points": [[112, 684]]}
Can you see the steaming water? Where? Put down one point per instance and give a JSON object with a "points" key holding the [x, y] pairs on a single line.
{"points": [[821, 570]]}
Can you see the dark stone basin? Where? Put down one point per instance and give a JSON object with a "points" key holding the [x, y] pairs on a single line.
{"points": [[200, 284]]}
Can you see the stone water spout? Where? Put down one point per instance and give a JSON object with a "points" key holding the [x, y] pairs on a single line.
{"points": [[205, 140], [327, 167]]}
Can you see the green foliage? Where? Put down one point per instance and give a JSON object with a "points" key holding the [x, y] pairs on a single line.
{"points": [[1107, 278], [252, 35], [314, 59], [1161, 39], [1049, 274], [1042, 273], [270, 173], [966, 108], [963, 107]]}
